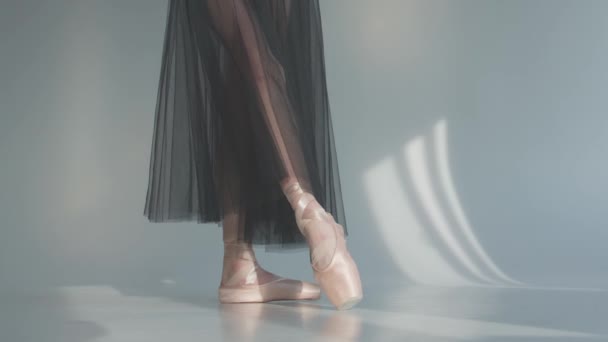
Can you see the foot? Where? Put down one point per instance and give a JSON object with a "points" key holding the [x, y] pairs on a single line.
{"points": [[332, 264], [245, 281]]}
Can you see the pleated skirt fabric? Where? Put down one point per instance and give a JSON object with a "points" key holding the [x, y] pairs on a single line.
{"points": [[242, 104]]}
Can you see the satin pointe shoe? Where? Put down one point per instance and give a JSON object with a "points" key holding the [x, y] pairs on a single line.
{"points": [[245, 281], [333, 267]]}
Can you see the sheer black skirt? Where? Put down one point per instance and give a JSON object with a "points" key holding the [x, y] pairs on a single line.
{"points": [[242, 104]]}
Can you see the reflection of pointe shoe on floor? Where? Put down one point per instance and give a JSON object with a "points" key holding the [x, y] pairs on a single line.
{"points": [[245, 281], [333, 266], [241, 322], [342, 326]]}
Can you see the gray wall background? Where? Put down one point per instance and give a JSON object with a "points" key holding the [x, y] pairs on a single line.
{"points": [[471, 136]]}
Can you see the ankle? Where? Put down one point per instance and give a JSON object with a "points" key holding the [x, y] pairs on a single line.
{"points": [[238, 250], [238, 264], [292, 191], [297, 197]]}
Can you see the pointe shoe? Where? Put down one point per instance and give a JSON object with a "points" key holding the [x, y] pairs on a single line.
{"points": [[250, 283], [333, 267]]}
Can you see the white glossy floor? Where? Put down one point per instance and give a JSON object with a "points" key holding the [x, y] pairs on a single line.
{"points": [[98, 313]]}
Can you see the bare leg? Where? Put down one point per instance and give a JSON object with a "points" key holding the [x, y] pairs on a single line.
{"points": [[237, 24]]}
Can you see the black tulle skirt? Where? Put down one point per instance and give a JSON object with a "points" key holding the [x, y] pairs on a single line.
{"points": [[242, 104]]}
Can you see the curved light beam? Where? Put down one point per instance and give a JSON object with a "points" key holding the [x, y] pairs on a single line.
{"points": [[447, 185], [417, 165], [405, 236]]}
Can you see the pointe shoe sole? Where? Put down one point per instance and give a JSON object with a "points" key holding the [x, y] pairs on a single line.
{"points": [[280, 289]]}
